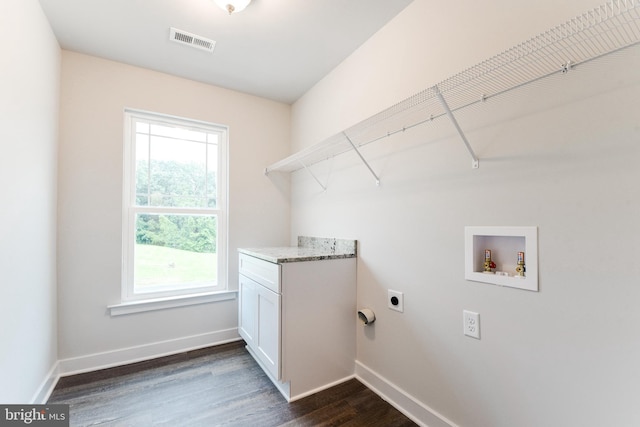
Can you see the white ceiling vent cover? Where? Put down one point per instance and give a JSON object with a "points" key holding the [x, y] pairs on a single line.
{"points": [[184, 37]]}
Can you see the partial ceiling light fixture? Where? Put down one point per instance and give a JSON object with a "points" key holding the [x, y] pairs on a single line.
{"points": [[232, 6]]}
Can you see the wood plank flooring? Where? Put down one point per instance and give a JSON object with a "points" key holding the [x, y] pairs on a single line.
{"points": [[216, 386]]}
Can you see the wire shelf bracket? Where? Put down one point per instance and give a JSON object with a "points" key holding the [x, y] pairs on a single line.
{"points": [[475, 163], [324, 187], [362, 158], [609, 28]]}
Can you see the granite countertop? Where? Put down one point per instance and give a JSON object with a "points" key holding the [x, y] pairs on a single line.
{"points": [[308, 249]]}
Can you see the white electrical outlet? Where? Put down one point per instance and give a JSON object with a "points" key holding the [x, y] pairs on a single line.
{"points": [[395, 300], [471, 323]]}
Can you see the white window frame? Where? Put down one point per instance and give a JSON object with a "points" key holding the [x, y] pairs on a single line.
{"points": [[130, 209]]}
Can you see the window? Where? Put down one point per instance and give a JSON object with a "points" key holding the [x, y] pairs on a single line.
{"points": [[174, 219]]}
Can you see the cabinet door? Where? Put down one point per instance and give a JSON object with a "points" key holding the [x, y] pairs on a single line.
{"points": [[268, 333], [248, 310]]}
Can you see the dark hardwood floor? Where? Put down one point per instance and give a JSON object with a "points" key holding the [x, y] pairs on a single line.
{"points": [[216, 386]]}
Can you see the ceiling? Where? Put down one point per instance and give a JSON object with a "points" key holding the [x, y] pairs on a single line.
{"points": [[277, 49]]}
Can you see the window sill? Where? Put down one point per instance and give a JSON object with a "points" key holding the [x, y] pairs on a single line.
{"points": [[171, 302]]}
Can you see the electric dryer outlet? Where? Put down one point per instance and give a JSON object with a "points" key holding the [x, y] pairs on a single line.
{"points": [[395, 300]]}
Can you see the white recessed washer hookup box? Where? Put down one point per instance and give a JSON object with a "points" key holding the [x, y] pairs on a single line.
{"points": [[503, 256]]}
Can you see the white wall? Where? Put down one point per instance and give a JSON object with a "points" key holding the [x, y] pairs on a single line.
{"points": [[29, 88], [94, 94], [560, 155]]}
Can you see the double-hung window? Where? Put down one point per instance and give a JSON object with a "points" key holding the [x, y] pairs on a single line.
{"points": [[175, 207]]}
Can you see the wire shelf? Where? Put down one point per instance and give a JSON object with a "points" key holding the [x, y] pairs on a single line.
{"points": [[598, 32]]}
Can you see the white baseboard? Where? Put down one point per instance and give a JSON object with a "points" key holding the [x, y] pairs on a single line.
{"points": [[319, 389], [47, 386], [123, 356], [400, 399]]}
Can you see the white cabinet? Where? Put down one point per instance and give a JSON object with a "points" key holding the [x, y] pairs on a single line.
{"points": [[299, 321], [248, 310], [267, 316], [260, 322]]}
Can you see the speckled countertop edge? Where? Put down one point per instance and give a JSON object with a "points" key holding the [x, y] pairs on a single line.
{"points": [[308, 249]]}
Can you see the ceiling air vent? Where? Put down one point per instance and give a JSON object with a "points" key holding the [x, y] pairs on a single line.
{"points": [[192, 40]]}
